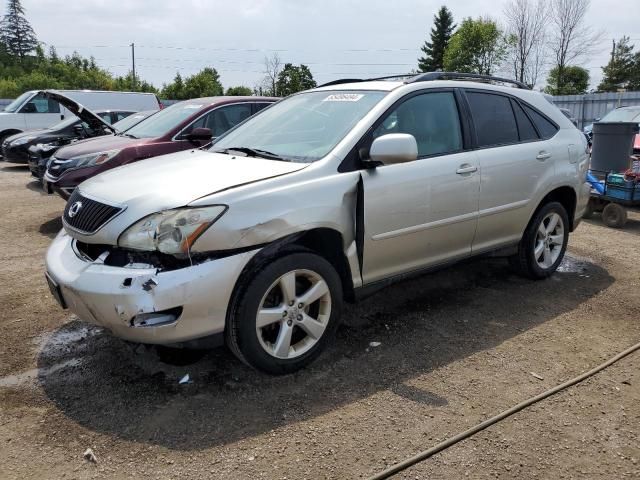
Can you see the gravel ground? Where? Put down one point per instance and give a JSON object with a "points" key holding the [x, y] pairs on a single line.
{"points": [[456, 347]]}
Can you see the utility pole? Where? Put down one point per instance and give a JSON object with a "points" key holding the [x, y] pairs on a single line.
{"points": [[133, 66]]}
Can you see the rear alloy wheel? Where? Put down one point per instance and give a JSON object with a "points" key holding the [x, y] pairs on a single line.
{"points": [[614, 215], [544, 242], [287, 313]]}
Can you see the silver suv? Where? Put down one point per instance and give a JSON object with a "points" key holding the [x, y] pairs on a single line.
{"points": [[322, 197]]}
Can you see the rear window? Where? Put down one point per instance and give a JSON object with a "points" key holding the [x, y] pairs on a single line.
{"points": [[493, 119], [544, 126], [525, 127]]}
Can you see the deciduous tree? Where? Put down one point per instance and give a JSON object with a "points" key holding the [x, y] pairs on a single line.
{"points": [[478, 46], [575, 81], [294, 79]]}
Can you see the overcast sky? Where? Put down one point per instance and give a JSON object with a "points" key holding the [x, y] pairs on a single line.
{"points": [[334, 38]]}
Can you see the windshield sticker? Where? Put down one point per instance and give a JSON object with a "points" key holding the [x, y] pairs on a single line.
{"points": [[193, 105], [344, 97]]}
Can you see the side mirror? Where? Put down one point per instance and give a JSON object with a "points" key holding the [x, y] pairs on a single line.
{"points": [[78, 130], [393, 148], [200, 134]]}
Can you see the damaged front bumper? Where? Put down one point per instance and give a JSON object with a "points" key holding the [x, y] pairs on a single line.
{"points": [[143, 304]]}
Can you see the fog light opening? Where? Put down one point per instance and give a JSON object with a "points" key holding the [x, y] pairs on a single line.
{"points": [[156, 319]]}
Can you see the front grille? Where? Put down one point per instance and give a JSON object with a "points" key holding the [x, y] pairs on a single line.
{"points": [[86, 215]]}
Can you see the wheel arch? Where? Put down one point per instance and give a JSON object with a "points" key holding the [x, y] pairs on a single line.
{"points": [[566, 196], [323, 241], [10, 131]]}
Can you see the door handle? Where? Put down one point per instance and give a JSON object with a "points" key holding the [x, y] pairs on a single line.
{"points": [[466, 168], [542, 156]]}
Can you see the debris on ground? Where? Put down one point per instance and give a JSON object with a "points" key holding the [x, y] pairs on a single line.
{"points": [[90, 456], [185, 379], [375, 344], [539, 377]]}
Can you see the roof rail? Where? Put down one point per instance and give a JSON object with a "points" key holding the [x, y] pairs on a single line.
{"points": [[430, 76]]}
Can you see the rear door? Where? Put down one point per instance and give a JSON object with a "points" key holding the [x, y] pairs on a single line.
{"points": [[515, 159], [424, 212]]}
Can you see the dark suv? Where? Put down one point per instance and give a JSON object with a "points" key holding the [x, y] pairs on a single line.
{"points": [[182, 126]]}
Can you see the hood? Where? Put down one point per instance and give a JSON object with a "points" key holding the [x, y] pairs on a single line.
{"points": [[98, 144], [84, 114], [175, 180]]}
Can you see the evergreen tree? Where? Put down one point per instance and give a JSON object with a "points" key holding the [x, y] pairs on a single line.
{"points": [[620, 69], [16, 32], [440, 34]]}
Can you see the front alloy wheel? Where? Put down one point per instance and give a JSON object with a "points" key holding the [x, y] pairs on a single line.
{"points": [[293, 314], [285, 312]]}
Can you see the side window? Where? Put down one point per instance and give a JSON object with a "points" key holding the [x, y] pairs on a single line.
{"points": [[493, 119], [259, 106], [41, 104], [432, 118], [525, 127], [544, 126], [225, 118], [122, 115], [106, 116]]}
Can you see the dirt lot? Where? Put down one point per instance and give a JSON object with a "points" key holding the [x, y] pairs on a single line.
{"points": [[456, 347]]}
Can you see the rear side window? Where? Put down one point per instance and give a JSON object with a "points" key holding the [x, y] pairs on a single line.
{"points": [[525, 127], [544, 126], [493, 118]]}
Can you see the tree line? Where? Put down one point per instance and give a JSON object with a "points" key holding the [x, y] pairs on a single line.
{"points": [[538, 36], [25, 65]]}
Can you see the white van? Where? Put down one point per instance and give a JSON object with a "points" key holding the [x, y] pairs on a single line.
{"points": [[33, 109]]}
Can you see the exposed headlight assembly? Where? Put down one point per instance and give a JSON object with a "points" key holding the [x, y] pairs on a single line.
{"points": [[91, 159], [171, 231]]}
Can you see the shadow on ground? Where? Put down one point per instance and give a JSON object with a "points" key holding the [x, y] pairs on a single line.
{"points": [[111, 387], [51, 227], [14, 167]]}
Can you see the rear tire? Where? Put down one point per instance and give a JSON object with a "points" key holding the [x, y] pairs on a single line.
{"points": [[286, 314], [614, 215], [543, 243]]}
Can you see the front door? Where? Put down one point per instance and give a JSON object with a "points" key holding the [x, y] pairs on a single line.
{"points": [[420, 213], [41, 112]]}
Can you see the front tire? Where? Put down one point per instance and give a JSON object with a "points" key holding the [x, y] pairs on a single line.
{"points": [[544, 243], [286, 314]]}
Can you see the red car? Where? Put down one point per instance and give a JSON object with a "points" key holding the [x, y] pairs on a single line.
{"points": [[182, 126]]}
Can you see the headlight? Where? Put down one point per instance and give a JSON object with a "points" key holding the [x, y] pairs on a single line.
{"points": [[23, 140], [92, 159], [171, 231]]}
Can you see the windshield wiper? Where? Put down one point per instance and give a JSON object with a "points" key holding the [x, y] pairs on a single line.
{"points": [[124, 134], [254, 152]]}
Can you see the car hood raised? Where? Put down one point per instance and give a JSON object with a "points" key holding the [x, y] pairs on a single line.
{"points": [[83, 113], [175, 180]]}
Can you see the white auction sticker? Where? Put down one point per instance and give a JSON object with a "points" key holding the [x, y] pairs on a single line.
{"points": [[344, 97]]}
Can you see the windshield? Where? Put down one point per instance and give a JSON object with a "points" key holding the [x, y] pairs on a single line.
{"points": [[623, 115], [304, 127], [17, 103], [164, 121], [133, 119]]}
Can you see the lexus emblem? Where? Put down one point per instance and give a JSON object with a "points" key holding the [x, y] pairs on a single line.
{"points": [[74, 209]]}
